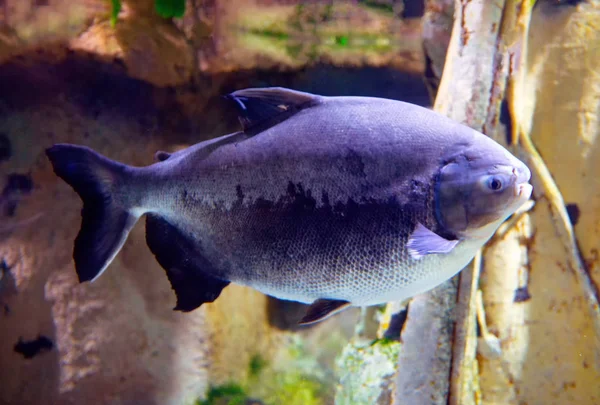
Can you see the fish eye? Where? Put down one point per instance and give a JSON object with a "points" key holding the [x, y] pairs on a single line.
{"points": [[495, 184]]}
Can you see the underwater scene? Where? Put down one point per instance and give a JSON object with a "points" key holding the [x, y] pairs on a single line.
{"points": [[299, 202]]}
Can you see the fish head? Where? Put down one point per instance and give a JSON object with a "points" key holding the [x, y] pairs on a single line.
{"points": [[478, 187]]}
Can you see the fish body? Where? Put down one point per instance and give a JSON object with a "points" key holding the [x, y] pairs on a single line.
{"points": [[335, 201]]}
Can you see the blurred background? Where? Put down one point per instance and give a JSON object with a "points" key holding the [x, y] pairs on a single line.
{"points": [[130, 77], [128, 84]]}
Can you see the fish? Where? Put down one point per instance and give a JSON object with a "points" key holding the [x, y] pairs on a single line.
{"points": [[334, 202]]}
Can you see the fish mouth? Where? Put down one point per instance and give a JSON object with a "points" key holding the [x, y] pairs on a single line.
{"points": [[522, 173], [522, 188], [523, 191]]}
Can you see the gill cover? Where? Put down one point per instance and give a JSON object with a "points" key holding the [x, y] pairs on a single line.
{"points": [[471, 194]]}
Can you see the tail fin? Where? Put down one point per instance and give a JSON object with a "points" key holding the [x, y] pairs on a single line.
{"points": [[106, 222]]}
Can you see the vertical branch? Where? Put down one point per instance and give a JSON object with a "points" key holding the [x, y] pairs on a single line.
{"points": [[425, 358], [464, 379], [520, 136], [466, 94], [520, 284], [471, 91]]}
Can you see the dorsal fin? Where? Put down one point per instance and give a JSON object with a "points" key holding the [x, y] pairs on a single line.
{"points": [[262, 108], [161, 156]]}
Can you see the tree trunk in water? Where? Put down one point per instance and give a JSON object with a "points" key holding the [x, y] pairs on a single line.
{"points": [[527, 76]]}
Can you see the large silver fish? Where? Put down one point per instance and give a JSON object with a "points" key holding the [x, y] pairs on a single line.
{"points": [[334, 201]]}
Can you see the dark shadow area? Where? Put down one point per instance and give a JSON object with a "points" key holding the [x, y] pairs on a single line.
{"points": [[394, 330], [31, 348], [188, 113], [5, 147], [284, 315], [16, 186], [413, 8]]}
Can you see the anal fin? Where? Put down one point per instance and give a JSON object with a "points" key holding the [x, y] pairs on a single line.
{"points": [[322, 309], [185, 266]]}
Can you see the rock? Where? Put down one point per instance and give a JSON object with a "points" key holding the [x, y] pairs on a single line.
{"points": [[551, 340], [116, 341], [28, 25], [437, 29], [150, 48], [151, 84], [218, 36], [9, 42]]}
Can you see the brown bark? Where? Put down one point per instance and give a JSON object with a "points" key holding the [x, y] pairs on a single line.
{"points": [[539, 309]]}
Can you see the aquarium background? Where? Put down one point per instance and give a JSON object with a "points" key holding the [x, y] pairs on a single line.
{"points": [[131, 77]]}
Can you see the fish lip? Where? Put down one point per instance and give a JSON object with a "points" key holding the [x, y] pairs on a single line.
{"points": [[522, 174], [522, 187], [523, 191]]}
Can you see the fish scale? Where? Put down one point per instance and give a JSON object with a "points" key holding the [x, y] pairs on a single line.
{"points": [[336, 261], [334, 201]]}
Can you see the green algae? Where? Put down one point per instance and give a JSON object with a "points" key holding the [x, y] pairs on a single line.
{"points": [[114, 11], [364, 367], [170, 8], [293, 378], [378, 6], [227, 394], [257, 365]]}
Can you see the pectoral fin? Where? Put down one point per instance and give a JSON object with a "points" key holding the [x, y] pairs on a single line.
{"points": [[322, 309], [424, 242]]}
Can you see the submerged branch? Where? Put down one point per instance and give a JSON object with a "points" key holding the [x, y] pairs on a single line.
{"points": [[551, 192]]}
